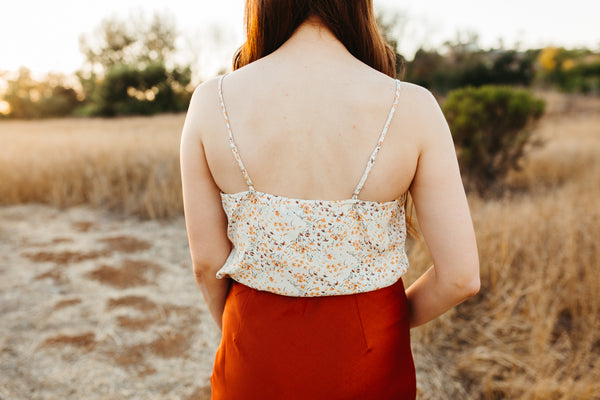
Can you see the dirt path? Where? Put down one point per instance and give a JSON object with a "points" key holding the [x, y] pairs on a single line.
{"points": [[94, 306]]}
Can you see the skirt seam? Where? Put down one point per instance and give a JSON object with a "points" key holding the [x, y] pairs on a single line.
{"points": [[238, 330], [362, 326]]}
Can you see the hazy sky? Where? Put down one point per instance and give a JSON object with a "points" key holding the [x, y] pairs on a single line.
{"points": [[43, 35]]}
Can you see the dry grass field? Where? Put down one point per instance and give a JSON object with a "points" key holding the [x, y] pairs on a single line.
{"points": [[98, 300], [128, 164]]}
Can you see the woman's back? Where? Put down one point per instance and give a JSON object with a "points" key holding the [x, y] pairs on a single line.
{"points": [[305, 125]]}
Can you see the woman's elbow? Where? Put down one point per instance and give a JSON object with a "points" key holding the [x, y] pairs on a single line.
{"points": [[206, 266], [469, 283], [202, 270], [199, 274], [472, 287], [465, 284]]}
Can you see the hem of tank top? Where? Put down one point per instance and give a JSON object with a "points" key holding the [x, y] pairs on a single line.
{"points": [[381, 203], [321, 294]]}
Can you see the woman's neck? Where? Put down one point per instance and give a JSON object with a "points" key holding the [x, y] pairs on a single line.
{"points": [[314, 38]]}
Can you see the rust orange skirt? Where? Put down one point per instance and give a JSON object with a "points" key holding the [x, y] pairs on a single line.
{"points": [[335, 347]]}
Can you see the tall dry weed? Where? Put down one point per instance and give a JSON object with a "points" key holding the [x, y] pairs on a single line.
{"points": [[533, 332]]}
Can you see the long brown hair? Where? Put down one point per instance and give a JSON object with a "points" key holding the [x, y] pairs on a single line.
{"points": [[270, 23]]}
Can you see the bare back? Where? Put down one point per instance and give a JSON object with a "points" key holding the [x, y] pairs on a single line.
{"points": [[309, 134]]}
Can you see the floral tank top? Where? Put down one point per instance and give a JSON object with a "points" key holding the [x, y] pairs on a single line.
{"points": [[307, 248]]}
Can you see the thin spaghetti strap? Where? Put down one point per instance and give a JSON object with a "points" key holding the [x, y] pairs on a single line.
{"points": [[234, 149], [379, 143]]}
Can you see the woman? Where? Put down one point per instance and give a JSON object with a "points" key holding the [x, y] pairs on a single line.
{"points": [[295, 170]]}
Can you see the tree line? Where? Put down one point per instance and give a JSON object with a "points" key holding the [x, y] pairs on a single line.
{"points": [[129, 69]]}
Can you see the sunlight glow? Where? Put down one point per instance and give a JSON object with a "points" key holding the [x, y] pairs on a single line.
{"points": [[4, 108], [148, 95]]}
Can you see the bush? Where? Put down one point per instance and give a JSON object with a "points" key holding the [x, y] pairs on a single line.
{"points": [[490, 126], [473, 67], [129, 90]]}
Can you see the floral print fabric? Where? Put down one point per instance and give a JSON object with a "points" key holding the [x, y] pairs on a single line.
{"points": [[312, 247], [307, 248]]}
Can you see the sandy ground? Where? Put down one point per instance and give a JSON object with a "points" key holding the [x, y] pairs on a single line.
{"points": [[94, 306]]}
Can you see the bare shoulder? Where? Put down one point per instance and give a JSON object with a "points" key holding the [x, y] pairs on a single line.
{"points": [[418, 95], [205, 96], [204, 108], [423, 113]]}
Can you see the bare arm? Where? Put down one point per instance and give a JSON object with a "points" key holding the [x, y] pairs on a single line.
{"points": [[445, 221], [205, 219]]}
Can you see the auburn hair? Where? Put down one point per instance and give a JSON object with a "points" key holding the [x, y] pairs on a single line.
{"points": [[270, 23]]}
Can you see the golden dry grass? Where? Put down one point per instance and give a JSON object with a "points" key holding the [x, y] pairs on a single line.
{"points": [[129, 164], [533, 332]]}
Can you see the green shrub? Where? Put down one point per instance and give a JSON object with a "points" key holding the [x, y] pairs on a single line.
{"points": [[130, 90], [490, 126]]}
